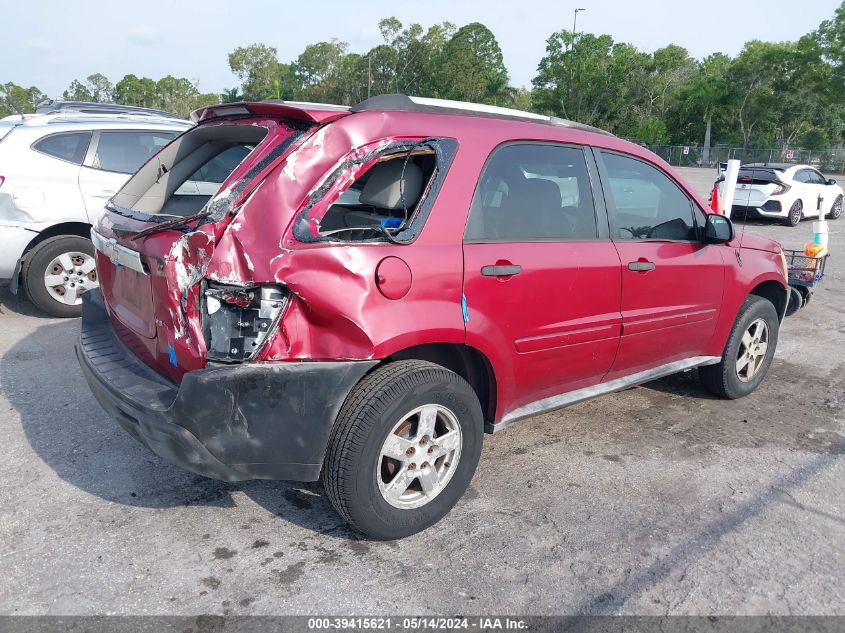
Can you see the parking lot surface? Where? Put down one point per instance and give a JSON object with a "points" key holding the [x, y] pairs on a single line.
{"points": [[656, 500]]}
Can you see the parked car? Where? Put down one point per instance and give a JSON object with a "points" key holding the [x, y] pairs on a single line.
{"points": [[53, 106], [786, 192], [56, 173], [373, 288]]}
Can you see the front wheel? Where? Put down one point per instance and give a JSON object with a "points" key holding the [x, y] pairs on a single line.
{"points": [[404, 449], [748, 353], [836, 209]]}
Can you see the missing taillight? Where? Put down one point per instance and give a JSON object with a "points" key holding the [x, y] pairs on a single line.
{"points": [[780, 189], [237, 321]]}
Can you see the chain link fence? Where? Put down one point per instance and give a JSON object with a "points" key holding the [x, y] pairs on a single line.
{"points": [[827, 161]]}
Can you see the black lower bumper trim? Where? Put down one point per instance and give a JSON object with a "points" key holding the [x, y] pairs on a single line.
{"points": [[228, 422]]}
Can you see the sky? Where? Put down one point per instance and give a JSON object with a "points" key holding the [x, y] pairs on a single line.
{"points": [[52, 42]]}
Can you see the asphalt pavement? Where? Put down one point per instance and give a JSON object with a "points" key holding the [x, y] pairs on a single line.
{"points": [[657, 500]]}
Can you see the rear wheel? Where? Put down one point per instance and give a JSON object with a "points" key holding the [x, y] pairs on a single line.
{"points": [[404, 449], [57, 272], [748, 353], [836, 209], [796, 212]]}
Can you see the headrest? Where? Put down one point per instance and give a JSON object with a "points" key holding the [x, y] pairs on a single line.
{"points": [[382, 189], [539, 193]]}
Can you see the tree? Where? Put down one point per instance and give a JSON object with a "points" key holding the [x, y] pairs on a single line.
{"points": [[77, 91], [318, 71], [256, 66], [830, 38], [230, 95], [132, 90], [472, 67], [15, 99]]}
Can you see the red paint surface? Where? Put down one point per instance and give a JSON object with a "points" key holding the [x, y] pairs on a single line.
{"points": [[393, 278], [574, 316]]}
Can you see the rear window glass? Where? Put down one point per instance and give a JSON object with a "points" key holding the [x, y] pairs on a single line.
{"points": [[125, 152], [70, 146]]}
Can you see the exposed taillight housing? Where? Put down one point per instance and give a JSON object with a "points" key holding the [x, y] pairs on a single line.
{"points": [[780, 189], [238, 320], [2, 180]]}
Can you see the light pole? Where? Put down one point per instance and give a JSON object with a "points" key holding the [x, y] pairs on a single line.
{"points": [[572, 58]]}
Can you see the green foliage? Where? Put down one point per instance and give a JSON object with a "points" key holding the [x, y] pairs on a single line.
{"points": [[15, 99], [772, 94], [257, 67], [472, 67]]}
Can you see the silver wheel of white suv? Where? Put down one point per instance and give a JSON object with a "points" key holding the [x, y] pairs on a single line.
{"points": [[57, 272], [69, 275], [419, 456]]}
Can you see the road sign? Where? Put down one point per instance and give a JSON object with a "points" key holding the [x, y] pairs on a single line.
{"points": [[790, 154], [686, 150]]}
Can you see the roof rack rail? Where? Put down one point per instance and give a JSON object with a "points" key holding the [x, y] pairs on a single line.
{"points": [[51, 106], [404, 103]]}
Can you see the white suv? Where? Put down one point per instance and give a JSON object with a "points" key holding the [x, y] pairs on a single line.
{"points": [[56, 173]]}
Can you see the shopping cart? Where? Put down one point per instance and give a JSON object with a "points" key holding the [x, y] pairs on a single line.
{"points": [[804, 272]]}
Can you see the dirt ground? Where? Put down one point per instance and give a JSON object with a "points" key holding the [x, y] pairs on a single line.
{"points": [[657, 500]]}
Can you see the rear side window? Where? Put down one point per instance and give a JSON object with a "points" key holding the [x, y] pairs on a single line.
{"points": [[533, 192], [125, 152], [70, 146], [646, 204]]}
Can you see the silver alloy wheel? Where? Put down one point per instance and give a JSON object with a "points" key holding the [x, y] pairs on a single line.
{"points": [[752, 350], [795, 213], [69, 275], [836, 211], [419, 456]]}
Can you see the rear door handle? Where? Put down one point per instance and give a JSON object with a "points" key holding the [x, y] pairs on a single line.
{"points": [[500, 271], [641, 266]]}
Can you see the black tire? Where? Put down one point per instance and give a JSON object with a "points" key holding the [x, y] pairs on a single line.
{"points": [[35, 266], [351, 469], [722, 379], [796, 213], [795, 301], [836, 209]]}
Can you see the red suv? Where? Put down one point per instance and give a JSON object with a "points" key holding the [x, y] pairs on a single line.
{"points": [[372, 288]]}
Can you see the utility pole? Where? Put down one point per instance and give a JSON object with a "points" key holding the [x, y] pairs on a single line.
{"points": [[369, 75], [572, 60]]}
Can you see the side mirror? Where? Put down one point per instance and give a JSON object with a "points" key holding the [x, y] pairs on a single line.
{"points": [[718, 229], [831, 181]]}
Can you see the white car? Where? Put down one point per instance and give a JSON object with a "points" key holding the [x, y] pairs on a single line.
{"points": [[787, 192], [57, 171]]}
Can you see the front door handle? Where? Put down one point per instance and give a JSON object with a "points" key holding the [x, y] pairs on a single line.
{"points": [[501, 271], [641, 266]]}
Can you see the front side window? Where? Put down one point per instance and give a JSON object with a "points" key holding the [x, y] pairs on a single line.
{"points": [[646, 203], [125, 152], [533, 192], [816, 178], [70, 146]]}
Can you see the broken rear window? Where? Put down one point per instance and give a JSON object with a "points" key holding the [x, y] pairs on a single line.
{"points": [[381, 192]]}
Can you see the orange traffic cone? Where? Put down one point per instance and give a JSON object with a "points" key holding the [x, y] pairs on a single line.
{"points": [[714, 200]]}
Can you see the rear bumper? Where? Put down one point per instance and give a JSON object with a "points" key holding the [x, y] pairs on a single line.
{"points": [[228, 422]]}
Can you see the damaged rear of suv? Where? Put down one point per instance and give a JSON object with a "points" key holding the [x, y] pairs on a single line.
{"points": [[320, 315]]}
